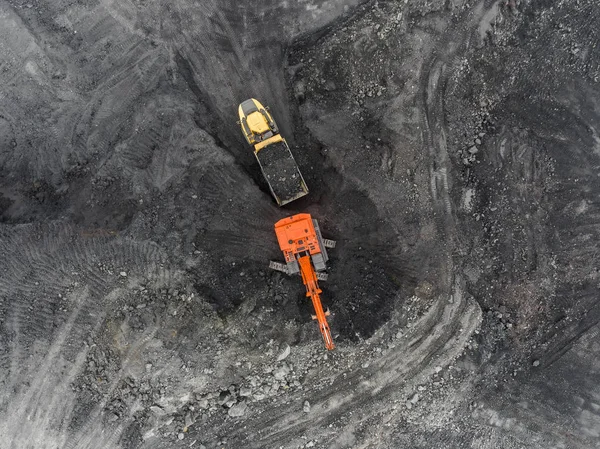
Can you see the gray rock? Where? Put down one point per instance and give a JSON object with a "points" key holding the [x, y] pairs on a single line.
{"points": [[415, 398], [536, 363], [283, 355], [189, 420], [306, 407], [158, 411], [245, 392], [180, 436], [473, 150], [281, 372], [238, 410]]}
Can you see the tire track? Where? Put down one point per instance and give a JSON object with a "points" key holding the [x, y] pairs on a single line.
{"points": [[87, 439], [44, 354], [363, 390]]}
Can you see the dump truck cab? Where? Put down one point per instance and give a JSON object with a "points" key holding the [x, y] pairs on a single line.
{"points": [[258, 125]]}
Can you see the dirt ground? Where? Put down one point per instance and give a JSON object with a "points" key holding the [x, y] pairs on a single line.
{"points": [[451, 148]]}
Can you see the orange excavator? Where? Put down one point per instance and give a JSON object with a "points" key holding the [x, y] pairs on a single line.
{"points": [[304, 249]]}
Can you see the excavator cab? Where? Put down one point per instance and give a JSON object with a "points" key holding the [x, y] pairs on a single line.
{"points": [[304, 249]]}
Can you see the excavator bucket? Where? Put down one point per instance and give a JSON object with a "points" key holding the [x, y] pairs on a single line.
{"points": [[303, 247]]}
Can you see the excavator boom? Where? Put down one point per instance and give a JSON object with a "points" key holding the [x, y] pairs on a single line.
{"points": [[309, 277]]}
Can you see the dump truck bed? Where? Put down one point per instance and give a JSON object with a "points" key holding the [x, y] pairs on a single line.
{"points": [[281, 172]]}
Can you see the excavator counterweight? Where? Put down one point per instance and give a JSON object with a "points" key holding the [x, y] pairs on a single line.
{"points": [[304, 250]]}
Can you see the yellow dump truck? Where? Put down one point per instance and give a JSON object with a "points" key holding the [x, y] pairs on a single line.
{"points": [[272, 152]]}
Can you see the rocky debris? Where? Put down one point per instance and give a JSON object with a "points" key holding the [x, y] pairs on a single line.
{"points": [[227, 398], [483, 126], [266, 381]]}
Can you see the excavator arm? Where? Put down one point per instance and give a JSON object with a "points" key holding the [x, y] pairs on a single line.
{"points": [[309, 277]]}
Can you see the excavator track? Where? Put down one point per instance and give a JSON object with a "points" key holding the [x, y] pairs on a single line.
{"points": [[278, 266]]}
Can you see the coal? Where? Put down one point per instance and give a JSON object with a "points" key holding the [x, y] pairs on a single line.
{"points": [[281, 171]]}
